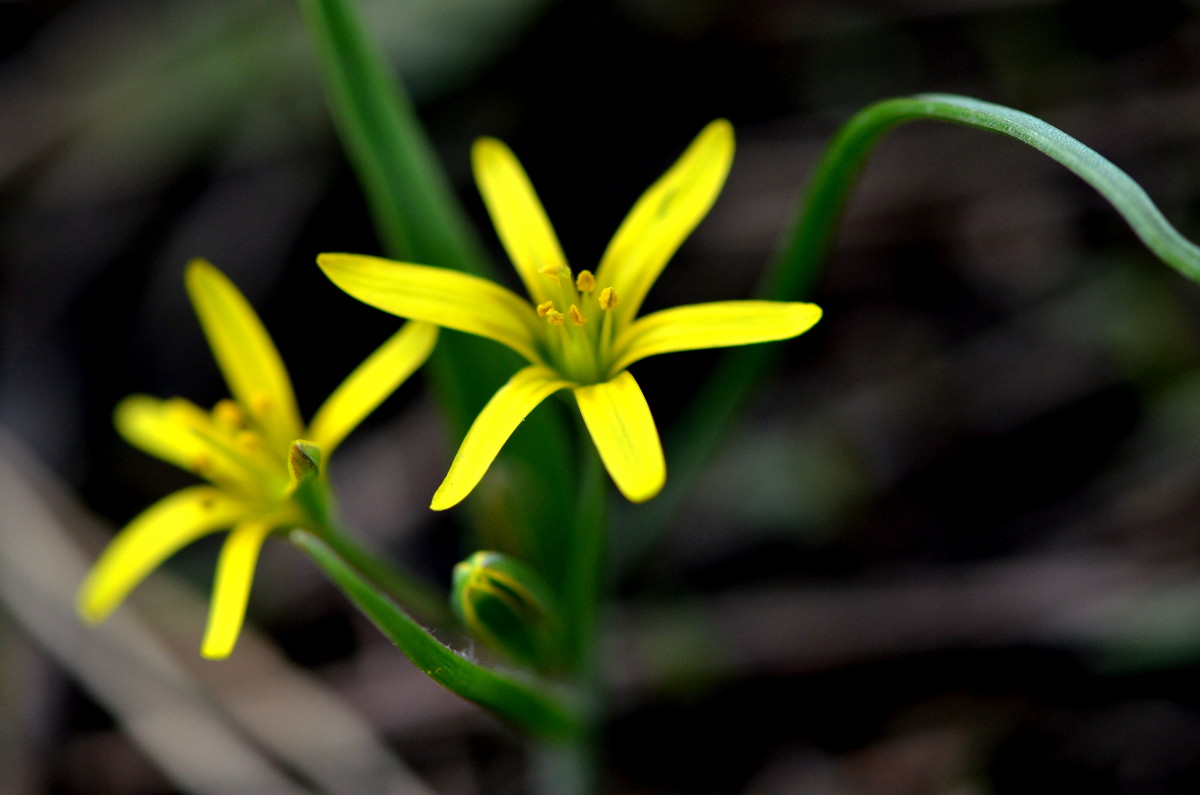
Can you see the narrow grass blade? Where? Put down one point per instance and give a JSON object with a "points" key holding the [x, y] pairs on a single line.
{"points": [[695, 437]]}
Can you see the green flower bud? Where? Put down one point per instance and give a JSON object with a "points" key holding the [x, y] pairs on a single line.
{"points": [[507, 606]]}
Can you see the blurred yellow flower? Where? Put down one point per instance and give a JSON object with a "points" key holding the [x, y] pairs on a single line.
{"points": [[252, 449], [578, 331]]}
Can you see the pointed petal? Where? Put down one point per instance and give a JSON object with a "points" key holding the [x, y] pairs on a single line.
{"points": [[440, 296], [231, 588], [717, 325], [163, 428], [518, 215], [491, 429], [371, 383], [177, 431], [664, 216], [620, 423], [152, 537], [245, 353]]}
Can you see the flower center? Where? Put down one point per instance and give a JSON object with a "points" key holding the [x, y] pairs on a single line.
{"points": [[238, 454], [579, 349]]}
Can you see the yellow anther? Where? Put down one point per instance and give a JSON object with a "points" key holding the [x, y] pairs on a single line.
{"points": [[554, 317], [576, 316], [248, 442], [608, 298], [201, 464], [585, 282], [229, 415], [545, 309]]}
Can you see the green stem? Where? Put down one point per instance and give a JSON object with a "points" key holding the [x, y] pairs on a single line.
{"points": [[583, 579], [570, 767], [418, 597], [535, 707], [699, 432], [313, 495]]}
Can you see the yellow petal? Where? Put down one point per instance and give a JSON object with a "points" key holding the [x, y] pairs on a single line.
{"points": [[163, 428], [491, 429], [371, 383], [518, 216], [664, 216], [716, 325], [177, 431], [440, 296], [245, 353], [231, 589], [152, 537], [619, 421]]}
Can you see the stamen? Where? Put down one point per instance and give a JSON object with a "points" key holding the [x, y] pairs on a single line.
{"points": [[545, 308], [554, 317], [577, 317], [229, 415], [585, 282], [248, 442], [608, 298], [201, 464]]}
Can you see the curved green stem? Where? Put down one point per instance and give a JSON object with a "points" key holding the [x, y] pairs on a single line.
{"points": [[796, 268], [710, 415], [530, 705], [313, 495], [418, 597]]}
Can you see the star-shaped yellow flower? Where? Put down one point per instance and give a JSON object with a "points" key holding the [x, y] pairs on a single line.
{"points": [[578, 331], [252, 449]]}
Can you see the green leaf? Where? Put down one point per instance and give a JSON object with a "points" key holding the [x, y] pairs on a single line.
{"points": [[795, 270], [419, 220], [526, 706], [414, 208], [696, 436]]}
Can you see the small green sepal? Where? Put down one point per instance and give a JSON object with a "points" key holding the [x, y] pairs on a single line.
{"points": [[309, 490], [304, 461], [507, 606]]}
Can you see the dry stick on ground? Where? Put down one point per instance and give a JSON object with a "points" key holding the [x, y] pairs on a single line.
{"points": [[206, 736]]}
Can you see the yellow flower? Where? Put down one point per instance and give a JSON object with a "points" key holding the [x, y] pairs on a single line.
{"points": [[578, 331], [252, 449]]}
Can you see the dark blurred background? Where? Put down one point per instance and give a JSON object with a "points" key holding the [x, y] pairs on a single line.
{"points": [[952, 549]]}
